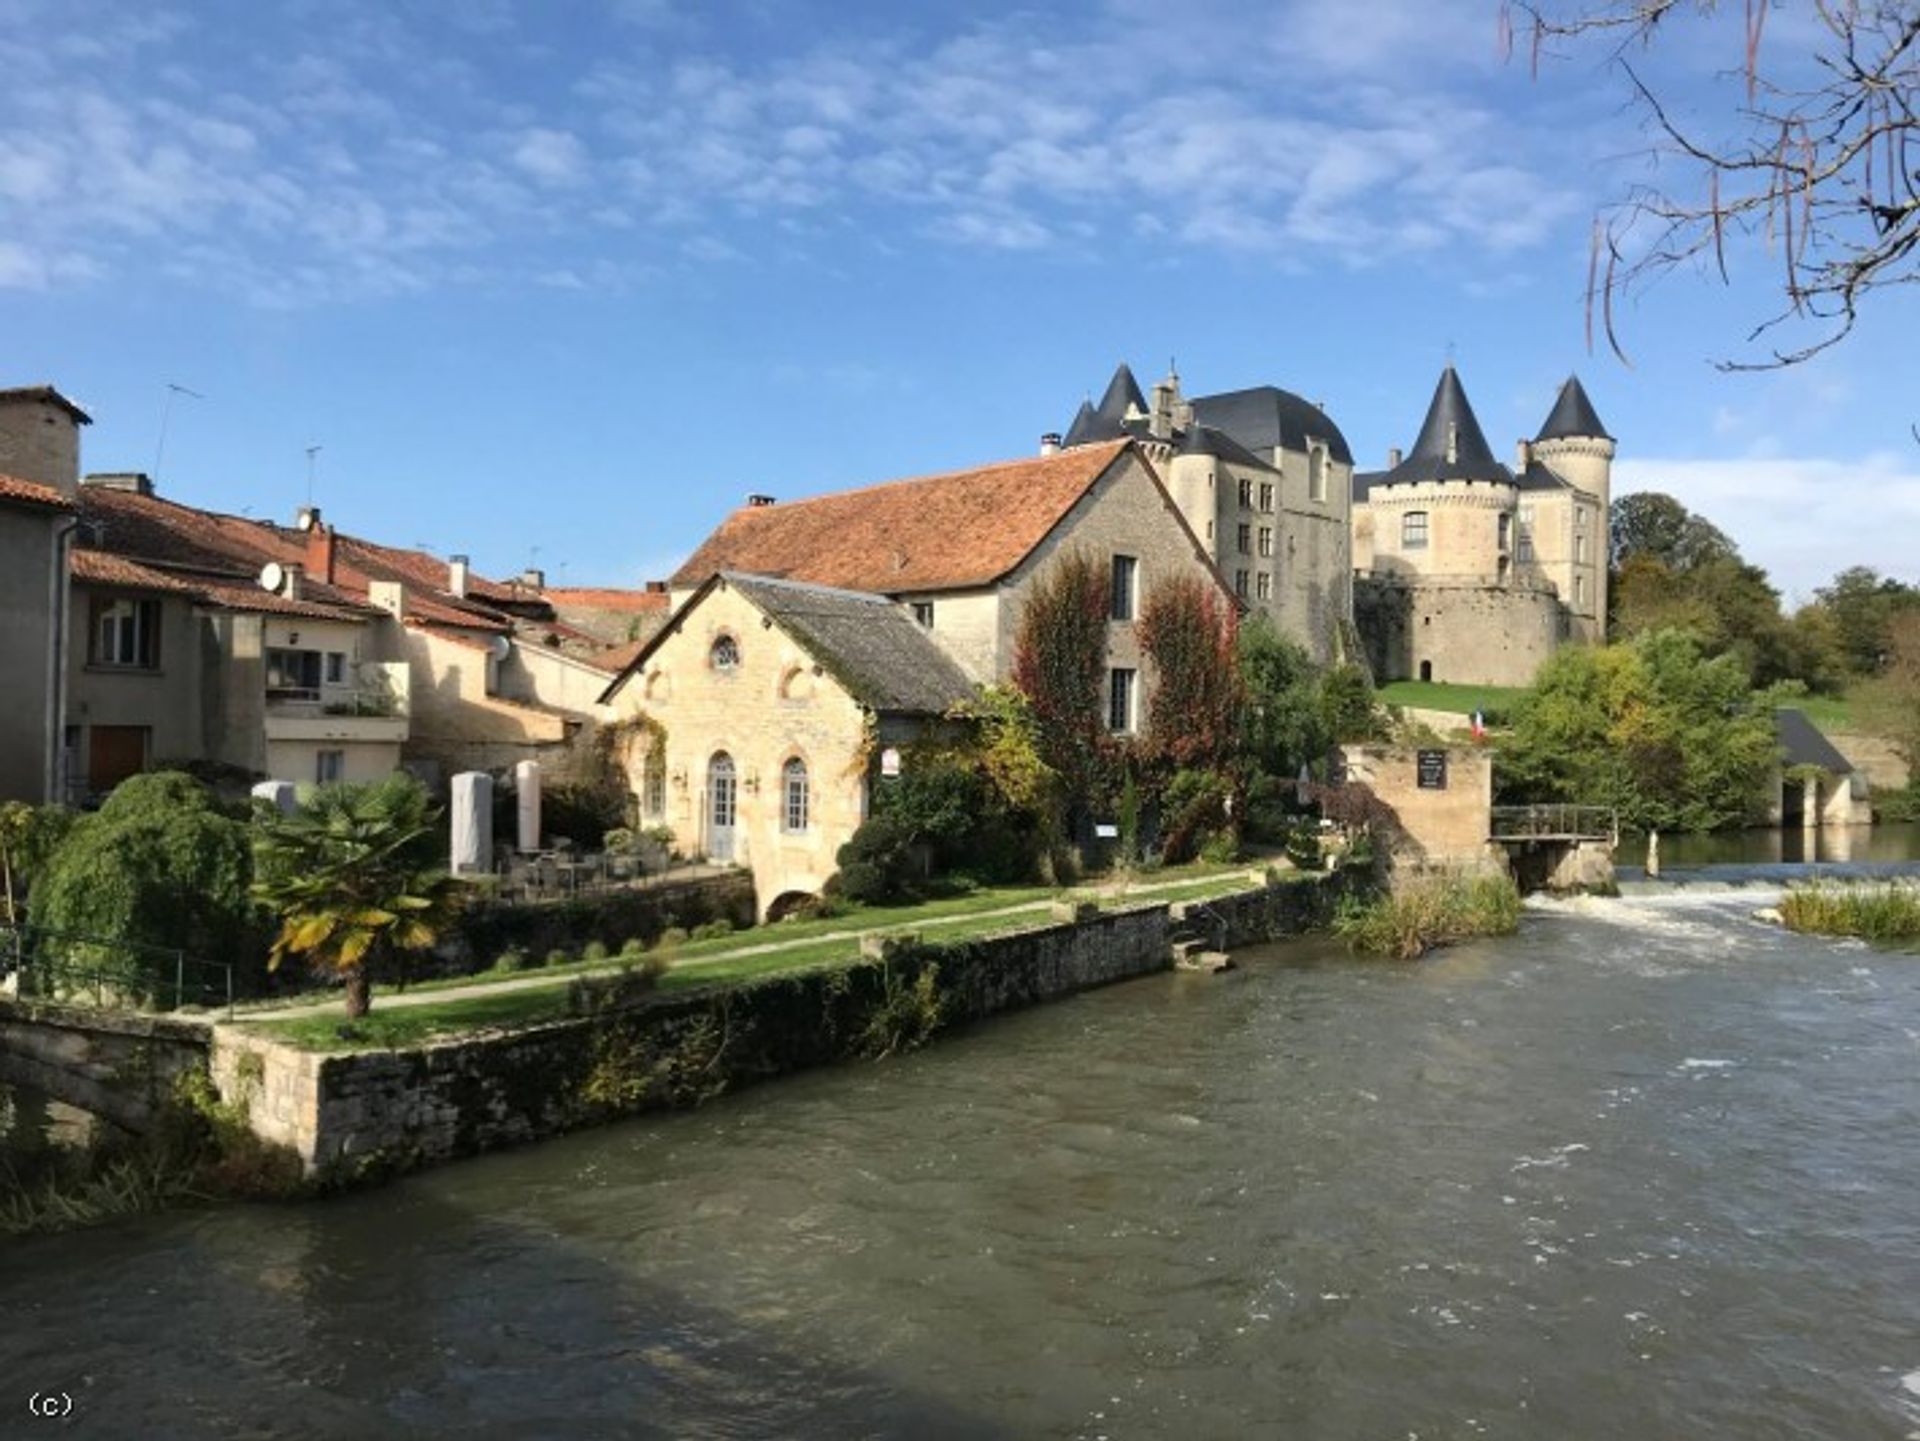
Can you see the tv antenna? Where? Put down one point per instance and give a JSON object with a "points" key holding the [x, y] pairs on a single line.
{"points": [[312, 451], [166, 415]]}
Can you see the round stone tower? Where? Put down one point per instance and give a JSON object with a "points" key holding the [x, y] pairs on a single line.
{"points": [[1575, 446]]}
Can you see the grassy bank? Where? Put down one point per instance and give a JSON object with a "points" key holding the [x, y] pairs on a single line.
{"points": [[546, 995], [1872, 911], [1460, 700], [1428, 911]]}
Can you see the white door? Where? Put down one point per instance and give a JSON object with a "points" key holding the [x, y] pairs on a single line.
{"points": [[721, 807]]}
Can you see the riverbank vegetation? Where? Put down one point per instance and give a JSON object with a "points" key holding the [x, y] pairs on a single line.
{"points": [[1870, 910], [199, 1150], [1423, 912]]}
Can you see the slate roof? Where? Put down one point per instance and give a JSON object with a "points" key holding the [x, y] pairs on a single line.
{"points": [[939, 532], [1363, 481], [1122, 395], [1802, 744], [869, 644], [1537, 477], [1266, 416], [1449, 414], [48, 393], [1205, 440], [32, 493], [1572, 415]]}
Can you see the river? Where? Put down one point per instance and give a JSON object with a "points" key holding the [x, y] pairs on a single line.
{"points": [[1646, 1170]]}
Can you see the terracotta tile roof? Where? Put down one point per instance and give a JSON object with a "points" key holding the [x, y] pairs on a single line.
{"points": [[626, 602], [29, 492], [939, 532], [617, 658], [97, 567]]}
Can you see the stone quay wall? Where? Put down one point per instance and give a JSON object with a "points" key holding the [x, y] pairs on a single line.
{"points": [[360, 1115]]}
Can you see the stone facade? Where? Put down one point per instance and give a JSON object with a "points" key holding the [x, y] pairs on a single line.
{"points": [[40, 437], [1471, 572], [1428, 826]]}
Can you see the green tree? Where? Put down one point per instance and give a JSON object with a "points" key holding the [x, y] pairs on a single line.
{"points": [[1670, 738], [354, 879], [159, 865], [1652, 524], [1862, 605], [1889, 704], [1285, 725], [29, 835]]}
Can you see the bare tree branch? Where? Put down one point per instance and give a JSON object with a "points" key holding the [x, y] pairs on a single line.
{"points": [[1826, 169]]}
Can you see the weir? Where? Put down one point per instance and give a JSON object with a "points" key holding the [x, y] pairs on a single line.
{"points": [[1557, 847]]}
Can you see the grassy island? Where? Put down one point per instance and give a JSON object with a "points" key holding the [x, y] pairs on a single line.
{"points": [[1870, 910]]}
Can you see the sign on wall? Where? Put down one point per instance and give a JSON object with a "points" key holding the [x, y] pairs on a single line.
{"points": [[1430, 769]]}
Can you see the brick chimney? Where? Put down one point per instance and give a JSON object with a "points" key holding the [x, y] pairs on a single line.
{"points": [[133, 482], [291, 585], [320, 552]]}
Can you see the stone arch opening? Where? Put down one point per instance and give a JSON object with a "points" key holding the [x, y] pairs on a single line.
{"points": [[788, 903]]}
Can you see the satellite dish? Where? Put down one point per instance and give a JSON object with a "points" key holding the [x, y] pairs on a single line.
{"points": [[273, 576], [501, 647]]}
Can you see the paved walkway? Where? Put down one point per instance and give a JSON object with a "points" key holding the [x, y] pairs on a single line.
{"points": [[537, 980]]}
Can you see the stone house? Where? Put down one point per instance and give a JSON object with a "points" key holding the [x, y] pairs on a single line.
{"points": [[303, 653], [1263, 478], [39, 469], [1468, 571], [1814, 786], [768, 708], [833, 629]]}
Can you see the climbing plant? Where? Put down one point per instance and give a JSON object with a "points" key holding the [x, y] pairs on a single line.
{"points": [[1186, 630], [1059, 665]]}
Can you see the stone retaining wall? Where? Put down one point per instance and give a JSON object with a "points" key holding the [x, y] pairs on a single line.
{"points": [[120, 1067], [360, 1114]]}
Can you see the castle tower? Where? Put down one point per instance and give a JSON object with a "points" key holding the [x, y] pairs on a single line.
{"points": [[1575, 446]]}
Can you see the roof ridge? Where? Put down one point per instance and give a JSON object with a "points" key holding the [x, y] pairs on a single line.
{"points": [[992, 466]]}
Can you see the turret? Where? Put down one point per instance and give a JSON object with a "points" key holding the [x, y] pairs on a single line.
{"points": [[1575, 446]]}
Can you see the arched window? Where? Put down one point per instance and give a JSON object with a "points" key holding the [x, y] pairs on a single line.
{"points": [[725, 654], [796, 797]]}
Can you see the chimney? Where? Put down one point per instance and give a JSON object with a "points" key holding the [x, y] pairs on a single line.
{"points": [[319, 556], [533, 578], [1166, 398], [290, 587], [306, 517], [388, 595], [1522, 456], [459, 572], [133, 482], [756, 500], [1393, 457], [656, 587], [1050, 443]]}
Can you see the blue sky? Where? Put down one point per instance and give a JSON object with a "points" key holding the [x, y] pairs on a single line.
{"points": [[559, 284]]}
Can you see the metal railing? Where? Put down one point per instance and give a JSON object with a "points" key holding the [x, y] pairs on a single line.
{"points": [[110, 974], [1555, 823]]}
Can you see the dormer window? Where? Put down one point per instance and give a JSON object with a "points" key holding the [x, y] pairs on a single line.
{"points": [[725, 654]]}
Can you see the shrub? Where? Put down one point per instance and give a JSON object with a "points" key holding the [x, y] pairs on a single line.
{"points": [[877, 864], [632, 946], [1194, 812], [712, 930], [594, 951], [595, 995], [672, 936], [1302, 843], [1431, 910], [158, 866], [511, 960], [557, 957]]}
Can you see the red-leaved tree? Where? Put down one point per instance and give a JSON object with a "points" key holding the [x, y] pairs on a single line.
{"points": [[1187, 629], [1060, 664]]}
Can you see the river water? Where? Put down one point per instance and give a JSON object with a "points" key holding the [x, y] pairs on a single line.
{"points": [[1646, 1170]]}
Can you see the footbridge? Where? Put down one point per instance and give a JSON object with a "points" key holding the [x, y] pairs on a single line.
{"points": [[1557, 847]]}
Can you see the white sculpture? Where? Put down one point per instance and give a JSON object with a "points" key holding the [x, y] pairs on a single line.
{"points": [[472, 823], [526, 783]]}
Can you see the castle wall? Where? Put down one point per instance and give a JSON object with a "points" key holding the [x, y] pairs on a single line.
{"points": [[1464, 632]]}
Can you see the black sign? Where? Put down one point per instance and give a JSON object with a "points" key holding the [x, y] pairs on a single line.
{"points": [[1432, 770]]}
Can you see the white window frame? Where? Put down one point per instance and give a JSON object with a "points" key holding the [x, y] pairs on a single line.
{"points": [[796, 797], [1414, 537]]}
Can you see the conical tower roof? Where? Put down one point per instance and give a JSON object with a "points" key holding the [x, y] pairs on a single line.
{"points": [[1089, 426], [1122, 391], [1451, 445], [1572, 415]]}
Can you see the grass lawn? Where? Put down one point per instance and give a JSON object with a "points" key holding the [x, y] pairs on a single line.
{"points": [[393, 1027], [1462, 700], [1827, 712]]}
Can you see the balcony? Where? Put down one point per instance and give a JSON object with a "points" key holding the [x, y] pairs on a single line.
{"points": [[372, 708]]}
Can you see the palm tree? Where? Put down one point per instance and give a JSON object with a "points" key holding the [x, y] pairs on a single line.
{"points": [[354, 879]]}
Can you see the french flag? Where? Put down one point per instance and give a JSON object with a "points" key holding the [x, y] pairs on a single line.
{"points": [[1479, 726]]}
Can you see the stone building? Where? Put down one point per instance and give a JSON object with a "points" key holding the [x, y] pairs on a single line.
{"points": [[1263, 478], [304, 653], [1468, 571], [39, 471], [773, 702], [830, 630]]}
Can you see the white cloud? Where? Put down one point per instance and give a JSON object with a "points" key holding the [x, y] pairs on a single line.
{"points": [[551, 157], [1802, 519]]}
